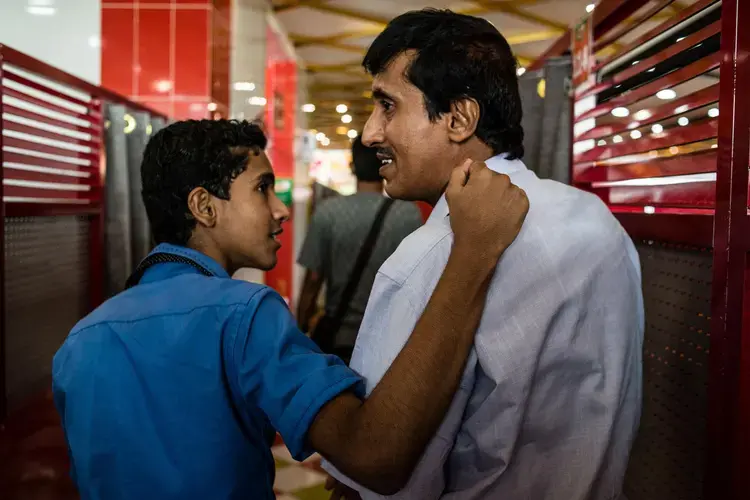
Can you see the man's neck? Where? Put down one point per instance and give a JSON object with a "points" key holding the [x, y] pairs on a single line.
{"points": [[475, 151], [370, 187]]}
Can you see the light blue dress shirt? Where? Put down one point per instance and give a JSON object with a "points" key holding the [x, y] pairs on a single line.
{"points": [[550, 400]]}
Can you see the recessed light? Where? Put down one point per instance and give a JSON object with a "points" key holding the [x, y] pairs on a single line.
{"points": [[683, 121], [666, 94], [617, 139], [590, 8], [341, 109], [620, 112], [636, 134], [244, 86], [657, 128], [713, 112], [346, 119], [643, 114], [308, 108]]}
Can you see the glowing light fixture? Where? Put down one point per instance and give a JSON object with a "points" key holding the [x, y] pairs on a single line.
{"points": [[620, 112], [666, 94]]}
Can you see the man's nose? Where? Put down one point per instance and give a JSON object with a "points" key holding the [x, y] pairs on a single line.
{"points": [[372, 135]]}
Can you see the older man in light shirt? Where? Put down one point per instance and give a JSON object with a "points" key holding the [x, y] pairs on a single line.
{"points": [[551, 398]]}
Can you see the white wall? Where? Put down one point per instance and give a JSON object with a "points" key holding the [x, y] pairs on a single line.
{"points": [[63, 33]]}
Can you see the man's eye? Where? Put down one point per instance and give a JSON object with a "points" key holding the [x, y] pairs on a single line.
{"points": [[386, 105], [263, 187]]}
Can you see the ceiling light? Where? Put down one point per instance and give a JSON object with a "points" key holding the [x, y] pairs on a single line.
{"points": [[602, 142], [651, 70], [634, 63], [617, 139], [657, 128], [341, 109], [341, 130], [590, 8], [320, 136], [308, 108], [681, 39], [649, 210], [244, 86], [346, 118], [520, 71], [620, 112], [713, 112], [352, 134], [257, 101], [211, 106], [636, 134], [674, 150], [643, 114], [682, 109], [666, 94], [683, 121], [40, 11], [326, 141]]}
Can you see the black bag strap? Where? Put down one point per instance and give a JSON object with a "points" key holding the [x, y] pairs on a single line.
{"points": [[364, 256], [162, 258]]}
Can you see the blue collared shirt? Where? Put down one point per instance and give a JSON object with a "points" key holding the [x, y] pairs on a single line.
{"points": [[551, 398], [146, 410]]}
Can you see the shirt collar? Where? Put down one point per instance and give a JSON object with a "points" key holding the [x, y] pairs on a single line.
{"points": [[497, 164], [202, 259]]}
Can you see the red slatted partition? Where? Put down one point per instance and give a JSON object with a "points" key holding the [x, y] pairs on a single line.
{"points": [[52, 156], [650, 141]]}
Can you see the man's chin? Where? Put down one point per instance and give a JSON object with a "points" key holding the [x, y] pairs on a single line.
{"points": [[397, 193]]}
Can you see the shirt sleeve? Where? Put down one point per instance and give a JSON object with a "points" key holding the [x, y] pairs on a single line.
{"points": [[317, 242], [283, 372]]}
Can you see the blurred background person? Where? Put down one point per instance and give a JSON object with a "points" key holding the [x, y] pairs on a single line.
{"points": [[364, 228]]}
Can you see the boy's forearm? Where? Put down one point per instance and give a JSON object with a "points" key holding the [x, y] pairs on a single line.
{"points": [[390, 430]]}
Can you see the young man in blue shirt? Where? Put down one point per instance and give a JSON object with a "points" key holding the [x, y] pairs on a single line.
{"points": [[174, 388]]}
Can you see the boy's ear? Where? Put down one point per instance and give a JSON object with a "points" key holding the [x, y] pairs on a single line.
{"points": [[202, 206]]}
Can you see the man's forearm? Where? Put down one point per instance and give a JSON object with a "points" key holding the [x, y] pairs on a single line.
{"points": [[391, 429]]}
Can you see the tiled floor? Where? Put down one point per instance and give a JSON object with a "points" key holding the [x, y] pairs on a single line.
{"points": [[298, 481]]}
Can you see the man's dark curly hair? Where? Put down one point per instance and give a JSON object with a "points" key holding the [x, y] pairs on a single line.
{"points": [[457, 57], [187, 155]]}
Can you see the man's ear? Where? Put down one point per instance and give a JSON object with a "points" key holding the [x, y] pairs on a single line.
{"points": [[202, 205], [463, 121]]}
